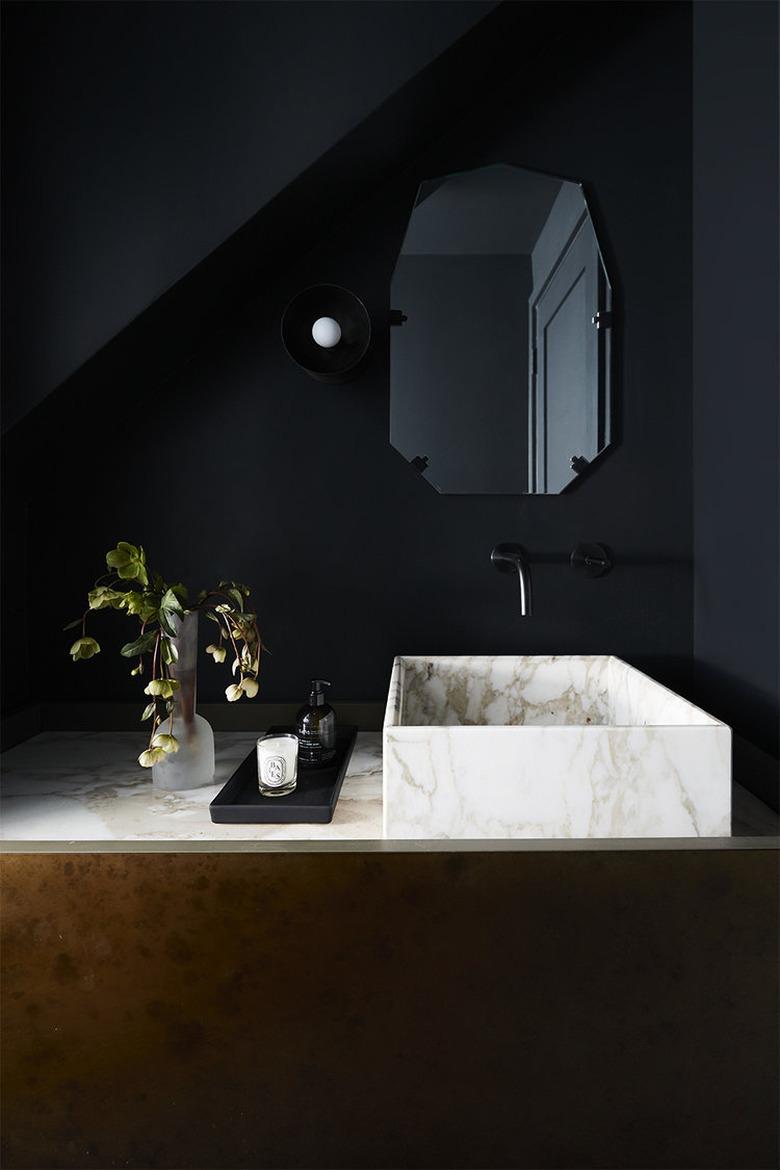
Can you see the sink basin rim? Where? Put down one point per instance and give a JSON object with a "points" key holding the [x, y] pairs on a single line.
{"points": [[393, 709]]}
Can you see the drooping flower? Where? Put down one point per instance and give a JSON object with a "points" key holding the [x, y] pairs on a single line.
{"points": [[151, 756], [233, 692], [84, 648], [164, 688], [218, 653], [250, 687], [168, 743], [102, 596], [139, 604], [129, 562]]}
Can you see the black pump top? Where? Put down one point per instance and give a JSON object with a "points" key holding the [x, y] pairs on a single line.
{"points": [[317, 696]]}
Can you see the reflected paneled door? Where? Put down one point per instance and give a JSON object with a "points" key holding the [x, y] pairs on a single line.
{"points": [[567, 421]]}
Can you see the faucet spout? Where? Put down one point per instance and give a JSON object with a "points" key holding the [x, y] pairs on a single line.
{"points": [[510, 558]]}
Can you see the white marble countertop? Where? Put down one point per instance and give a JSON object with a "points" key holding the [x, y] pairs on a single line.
{"points": [[71, 786], [86, 790]]}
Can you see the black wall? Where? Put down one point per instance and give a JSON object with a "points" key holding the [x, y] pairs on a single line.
{"points": [[736, 373], [138, 137], [240, 465]]}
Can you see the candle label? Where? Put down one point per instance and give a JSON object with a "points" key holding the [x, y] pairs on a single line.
{"points": [[274, 771]]}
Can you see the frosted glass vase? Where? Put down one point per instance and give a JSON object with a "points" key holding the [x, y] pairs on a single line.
{"points": [[192, 765]]}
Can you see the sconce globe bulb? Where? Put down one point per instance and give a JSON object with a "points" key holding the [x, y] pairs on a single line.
{"points": [[326, 332]]}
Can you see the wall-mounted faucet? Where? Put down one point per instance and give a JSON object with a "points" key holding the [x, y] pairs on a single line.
{"points": [[591, 560], [511, 558]]}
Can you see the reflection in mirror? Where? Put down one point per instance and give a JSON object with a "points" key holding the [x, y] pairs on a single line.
{"points": [[500, 354]]}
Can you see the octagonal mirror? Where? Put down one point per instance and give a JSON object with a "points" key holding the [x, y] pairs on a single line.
{"points": [[500, 346]]}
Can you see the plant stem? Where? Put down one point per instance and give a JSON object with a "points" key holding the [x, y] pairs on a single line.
{"points": [[235, 649], [156, 719], [154, 654], [155, 723]]}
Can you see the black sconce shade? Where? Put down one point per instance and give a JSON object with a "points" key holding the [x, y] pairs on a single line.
{"points": [[342, 360]]}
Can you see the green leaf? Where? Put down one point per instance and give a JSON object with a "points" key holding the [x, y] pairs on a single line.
{"points": [[181, 592], [169, 652], [140, 645], [227, 585], [149, 710], [171, 602], [237, 597], [166, 622]]}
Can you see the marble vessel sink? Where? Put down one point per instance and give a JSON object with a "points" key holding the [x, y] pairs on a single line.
{"points": [[548, 747]]}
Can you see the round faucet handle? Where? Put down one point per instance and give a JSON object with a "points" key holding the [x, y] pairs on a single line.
{"points": [[592, 560]]}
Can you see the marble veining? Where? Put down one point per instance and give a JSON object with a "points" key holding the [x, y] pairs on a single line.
{"points": [[71, 787], [64, 786], [474, 691], [548, 746]]}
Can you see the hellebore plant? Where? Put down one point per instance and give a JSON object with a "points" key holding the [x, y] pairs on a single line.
{"points": [[130, 586]]}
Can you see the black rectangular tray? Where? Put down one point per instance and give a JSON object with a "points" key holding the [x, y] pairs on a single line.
{"points": [[239, 802]]}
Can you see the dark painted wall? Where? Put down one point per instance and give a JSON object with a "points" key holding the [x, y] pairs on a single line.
{"points": [[241, 465], [138, 137], [736, 373]]}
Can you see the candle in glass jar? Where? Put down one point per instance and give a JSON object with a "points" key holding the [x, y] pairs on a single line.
{"points": [[277, 764]]}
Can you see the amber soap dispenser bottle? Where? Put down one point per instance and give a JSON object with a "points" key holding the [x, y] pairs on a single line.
{"points": [[315, 727]]}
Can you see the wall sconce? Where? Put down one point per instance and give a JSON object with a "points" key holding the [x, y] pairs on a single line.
{"points": [[326, 330]]}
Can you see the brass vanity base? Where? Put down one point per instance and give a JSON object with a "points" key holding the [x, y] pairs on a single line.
{"points": [[542, 1009]]}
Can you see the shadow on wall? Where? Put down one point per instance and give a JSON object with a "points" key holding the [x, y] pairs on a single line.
{"points": [[138, 137], [237, 464]]}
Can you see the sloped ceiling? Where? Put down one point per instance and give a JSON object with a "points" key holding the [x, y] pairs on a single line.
{"points": [[139, 137]]}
